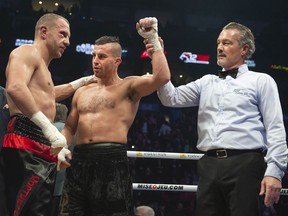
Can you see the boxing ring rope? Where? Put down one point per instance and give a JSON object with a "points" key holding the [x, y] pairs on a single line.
{"points": [[170, 187]]}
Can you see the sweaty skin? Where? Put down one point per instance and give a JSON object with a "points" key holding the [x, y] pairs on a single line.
{"points": [[104, 111], [33, 90], [29, 83], [108, 114]]}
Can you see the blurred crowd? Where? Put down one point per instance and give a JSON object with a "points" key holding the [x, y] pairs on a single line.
{"points": [[173, 131]]}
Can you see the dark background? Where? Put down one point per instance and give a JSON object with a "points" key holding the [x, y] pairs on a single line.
{"points": [[186, 26]]}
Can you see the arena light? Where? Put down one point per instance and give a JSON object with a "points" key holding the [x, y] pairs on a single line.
{"points": [[250, 63], [19, 42], [279, 67], [85, 48]]}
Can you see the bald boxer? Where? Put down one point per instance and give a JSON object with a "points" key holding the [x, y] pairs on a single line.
{"points": [[32, 142]]}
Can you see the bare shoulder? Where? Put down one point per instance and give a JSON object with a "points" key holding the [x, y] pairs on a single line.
{"points": [[130, 79], [85, 89], [26, 52]]}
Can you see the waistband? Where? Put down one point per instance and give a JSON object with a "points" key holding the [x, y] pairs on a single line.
{"points": [[225, 153], [21, 125], [100, 145], [100, 151]]}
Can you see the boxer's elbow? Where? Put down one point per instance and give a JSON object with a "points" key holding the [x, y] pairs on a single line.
{"points": [[14, 89]]}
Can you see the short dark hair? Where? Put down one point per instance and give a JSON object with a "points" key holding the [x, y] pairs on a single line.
{"points": [[117, 49], [107, 39], [49, 19]]}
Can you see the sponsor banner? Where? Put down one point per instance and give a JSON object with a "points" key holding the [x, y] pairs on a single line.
{"points": [[189, 57], [164, 155], [164, 187]]}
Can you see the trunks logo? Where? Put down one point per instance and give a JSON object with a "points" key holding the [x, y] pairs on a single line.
{"points": [[25, 192], [188, 57]]}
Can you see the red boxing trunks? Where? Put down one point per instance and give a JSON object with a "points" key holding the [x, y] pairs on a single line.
{"points": [[29, 169]]}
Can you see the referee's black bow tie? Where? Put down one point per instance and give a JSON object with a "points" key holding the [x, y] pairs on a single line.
{"points": [[233, 73]]}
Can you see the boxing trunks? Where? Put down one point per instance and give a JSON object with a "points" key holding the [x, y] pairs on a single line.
{"points": [[98, 182], [29, 169]]}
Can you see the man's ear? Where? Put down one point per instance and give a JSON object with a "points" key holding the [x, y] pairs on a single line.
{"points": [[43, 31], [245, 49], [118, 60]]}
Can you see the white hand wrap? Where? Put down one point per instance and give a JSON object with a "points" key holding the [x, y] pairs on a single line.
{"points": [[82, 81], [150, 32], [62, 156], [49, 130]]}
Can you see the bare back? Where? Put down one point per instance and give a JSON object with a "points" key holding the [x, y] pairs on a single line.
{"points": [[105, 113], [29, 83]]}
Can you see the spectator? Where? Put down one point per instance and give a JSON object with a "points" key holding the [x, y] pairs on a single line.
{"points": [[59, 122], [4, 118], [144, 211]]}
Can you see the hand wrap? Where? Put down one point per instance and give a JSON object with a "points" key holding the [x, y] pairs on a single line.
{"points": [[49, 130], [149, 30], [82, 81], [62, 156]]}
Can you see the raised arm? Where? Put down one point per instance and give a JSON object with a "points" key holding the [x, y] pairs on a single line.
{"points": [[147, 84]]}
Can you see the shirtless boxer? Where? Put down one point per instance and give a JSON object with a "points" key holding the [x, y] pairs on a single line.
{"points": [[98, 181], [31, 144]]}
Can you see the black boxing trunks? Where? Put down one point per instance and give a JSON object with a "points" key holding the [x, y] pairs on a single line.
{"points": [[98, 182], [29, 169]]}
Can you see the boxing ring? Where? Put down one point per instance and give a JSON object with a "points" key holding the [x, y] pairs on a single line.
{"points": [[170, 187]]}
